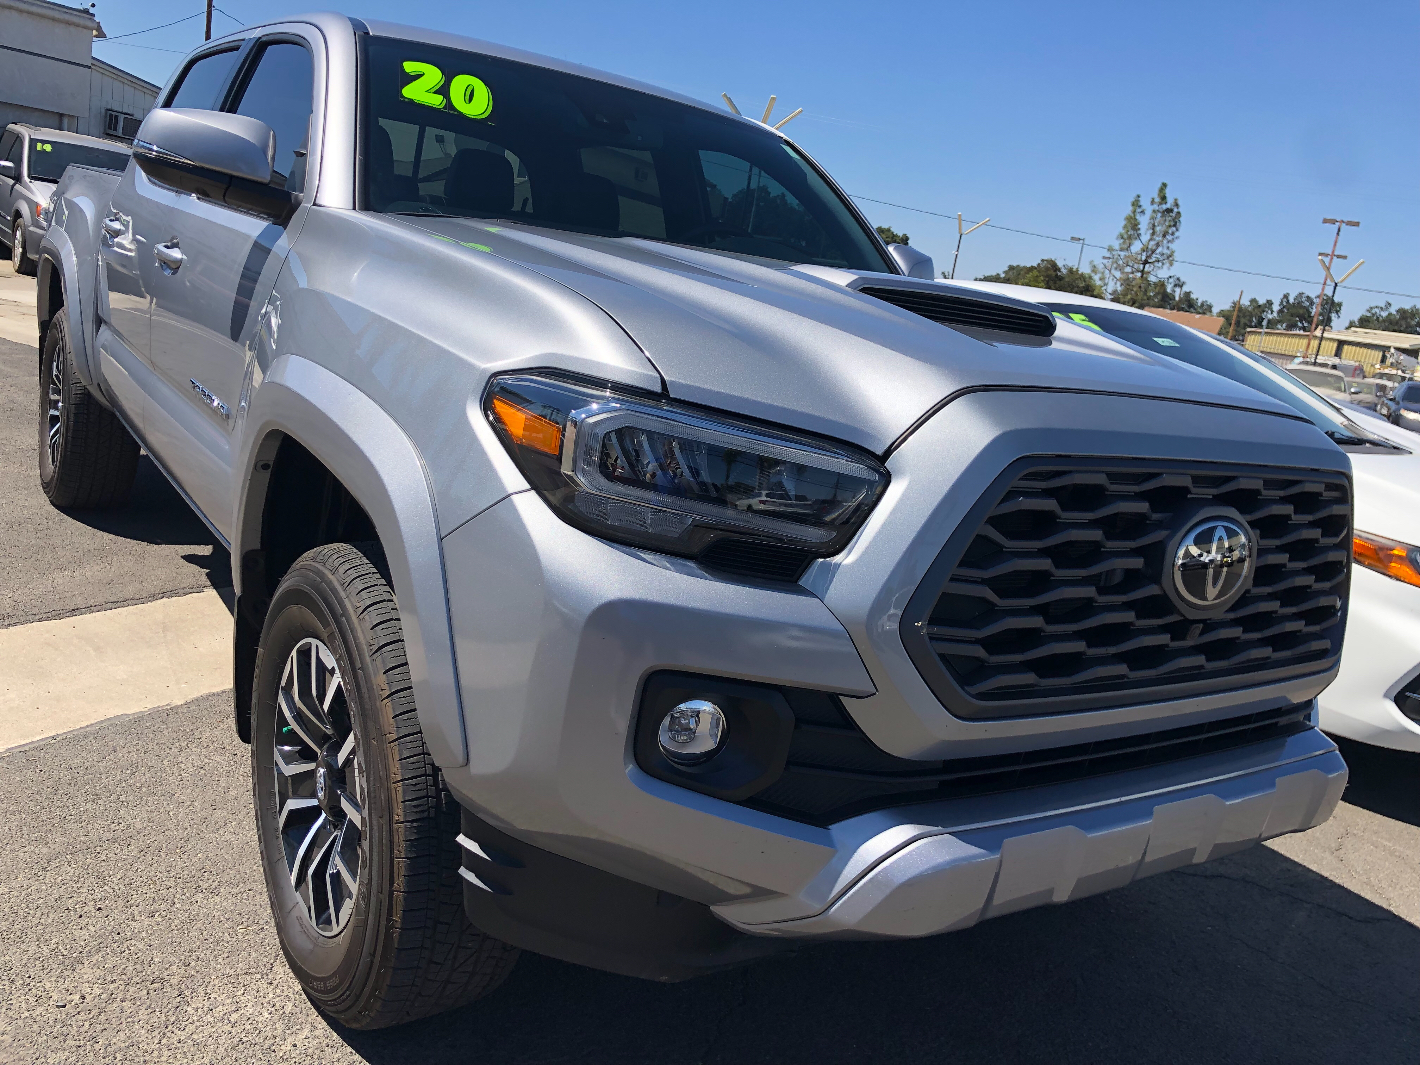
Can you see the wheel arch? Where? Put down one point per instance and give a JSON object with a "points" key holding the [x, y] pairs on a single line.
{"points": [[302, 408], [58, 289]]}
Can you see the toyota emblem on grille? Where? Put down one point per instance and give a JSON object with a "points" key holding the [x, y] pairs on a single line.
{"points": [[1212, 564]]}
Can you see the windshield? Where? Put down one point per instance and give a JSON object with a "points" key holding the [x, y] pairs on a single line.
{"points": [[1163, 337], [1322, 380], [457, 133], [48, 159]]}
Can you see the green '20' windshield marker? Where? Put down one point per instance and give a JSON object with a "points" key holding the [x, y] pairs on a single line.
{"points": [[470, 96], [421, 89]]}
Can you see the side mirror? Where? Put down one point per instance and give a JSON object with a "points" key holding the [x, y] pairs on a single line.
{"points": [[213, 155], [7, 169], [912, 262]]}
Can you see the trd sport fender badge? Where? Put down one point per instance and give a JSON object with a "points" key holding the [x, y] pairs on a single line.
{"points": [[211, 400]]}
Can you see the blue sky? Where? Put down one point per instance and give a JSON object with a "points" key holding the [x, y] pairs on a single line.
{"points": [[1263, 117]]}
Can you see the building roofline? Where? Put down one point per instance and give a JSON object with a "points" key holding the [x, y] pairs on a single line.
{"points": [[112, 71]]}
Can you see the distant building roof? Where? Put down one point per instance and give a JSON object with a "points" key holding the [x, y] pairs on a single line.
{"points": [[118, 72], [1375, 338], [1208, 323]]}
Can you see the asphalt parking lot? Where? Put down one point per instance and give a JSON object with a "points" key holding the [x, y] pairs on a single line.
{"points": [[136, 926]]}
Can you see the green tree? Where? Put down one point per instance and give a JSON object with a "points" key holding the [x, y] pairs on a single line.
{"points": [[891, 236], [1144, 249], [1048, 274], [1253, 314], [1294, 312], [1380, 316]]}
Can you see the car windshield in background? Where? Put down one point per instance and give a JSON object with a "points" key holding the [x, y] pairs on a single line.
{"points": [[48, 159], [1322, 380], [1163, 337], [458, 133]]}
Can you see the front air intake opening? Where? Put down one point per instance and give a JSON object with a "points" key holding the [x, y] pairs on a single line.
{"points": [[954, 309]]}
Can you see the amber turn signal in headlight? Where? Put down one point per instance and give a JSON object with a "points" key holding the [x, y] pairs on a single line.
{"points": [[1394, 559]]}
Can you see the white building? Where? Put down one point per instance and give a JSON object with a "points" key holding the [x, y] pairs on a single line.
{"points": [[49, 76]]}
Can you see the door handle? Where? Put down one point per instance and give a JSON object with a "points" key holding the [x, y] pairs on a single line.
{"points": [[169, 256], [113, 225]]}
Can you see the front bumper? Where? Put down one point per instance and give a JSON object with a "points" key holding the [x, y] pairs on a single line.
{"points": [[1381, 655], [922, 878], [556, 632]]}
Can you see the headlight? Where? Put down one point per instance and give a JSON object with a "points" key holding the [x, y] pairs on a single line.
{"points": [[643, 471], [1394, 559]]}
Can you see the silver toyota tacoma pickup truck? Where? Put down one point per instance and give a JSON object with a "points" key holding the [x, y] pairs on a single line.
{"points": [[638, 562]]}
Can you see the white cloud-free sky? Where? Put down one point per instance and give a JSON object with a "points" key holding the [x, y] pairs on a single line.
{"points": [[1263, 117]]}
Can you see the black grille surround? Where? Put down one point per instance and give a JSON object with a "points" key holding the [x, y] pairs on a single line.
{"points": [[1050, 596], [946, 308], [834, 771]]}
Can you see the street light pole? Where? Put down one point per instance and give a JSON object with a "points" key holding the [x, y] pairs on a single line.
{"points": [[1081, 257], [960, 234], [1338, 223]]}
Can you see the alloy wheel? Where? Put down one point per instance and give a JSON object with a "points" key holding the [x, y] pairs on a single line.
{"points": [[17, 246], [320, 787], [55, 405]]}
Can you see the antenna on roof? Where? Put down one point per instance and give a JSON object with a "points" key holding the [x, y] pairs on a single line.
{"points": [[733, 108], [785, 121], [768, 110]]}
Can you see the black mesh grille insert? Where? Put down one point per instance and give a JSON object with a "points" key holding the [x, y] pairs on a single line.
{"points": [[834, 771], [1051, 596], [947, 309]]}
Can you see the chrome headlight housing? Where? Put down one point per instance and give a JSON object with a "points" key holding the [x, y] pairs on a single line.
{"points": [[644, 471]]}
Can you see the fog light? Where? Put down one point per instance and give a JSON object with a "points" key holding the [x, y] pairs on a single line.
{"points": [[692, 732]]}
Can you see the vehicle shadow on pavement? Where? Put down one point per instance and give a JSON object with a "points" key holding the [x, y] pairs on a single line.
{"points": [[1383, 781], [1251, 958], [156, 514]]}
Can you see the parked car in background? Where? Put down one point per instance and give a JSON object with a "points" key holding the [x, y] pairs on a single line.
{"points": [[1328, 362], [1376, 696], [1402, 407], [1388, 379], [32, 160], [636, 561]]}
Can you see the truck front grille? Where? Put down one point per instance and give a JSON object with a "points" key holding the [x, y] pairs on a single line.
{"points": [[1051, 597]]}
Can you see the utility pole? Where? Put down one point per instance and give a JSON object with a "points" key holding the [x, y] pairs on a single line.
{"points": [[208, 33], [1081, 257], [1316, 314], [1335, 283], [1237, 307], [961, 234]]}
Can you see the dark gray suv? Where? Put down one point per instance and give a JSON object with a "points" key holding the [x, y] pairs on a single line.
{"points": [[32, 160]]}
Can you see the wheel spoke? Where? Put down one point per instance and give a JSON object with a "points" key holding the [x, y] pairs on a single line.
{"points": [[310, 850], [346, 749], [352, 810], [291, 768], [338, 860], [290, 806], [300, 720]]}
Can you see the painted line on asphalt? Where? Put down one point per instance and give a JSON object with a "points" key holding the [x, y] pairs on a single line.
{"points": [[70, 672]]}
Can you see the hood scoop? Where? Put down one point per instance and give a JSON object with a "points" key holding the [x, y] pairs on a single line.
{"points": [[967, 308]]}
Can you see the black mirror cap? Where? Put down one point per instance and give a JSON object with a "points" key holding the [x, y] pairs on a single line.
{"points": [[759, 729]]}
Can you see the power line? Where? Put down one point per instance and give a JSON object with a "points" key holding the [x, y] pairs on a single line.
{"points": [[150, 29], [1102, 247], [234, 18], [151, 48]]}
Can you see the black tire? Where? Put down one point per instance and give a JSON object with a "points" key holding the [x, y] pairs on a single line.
{"points": [[405, 949], [87, 459], [18, 259]]}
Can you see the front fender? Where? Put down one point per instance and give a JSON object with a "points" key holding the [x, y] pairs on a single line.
{"points": [[371, 455]]}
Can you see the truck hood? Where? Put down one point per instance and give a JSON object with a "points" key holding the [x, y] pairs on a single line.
{"points": [[796, 347]]}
